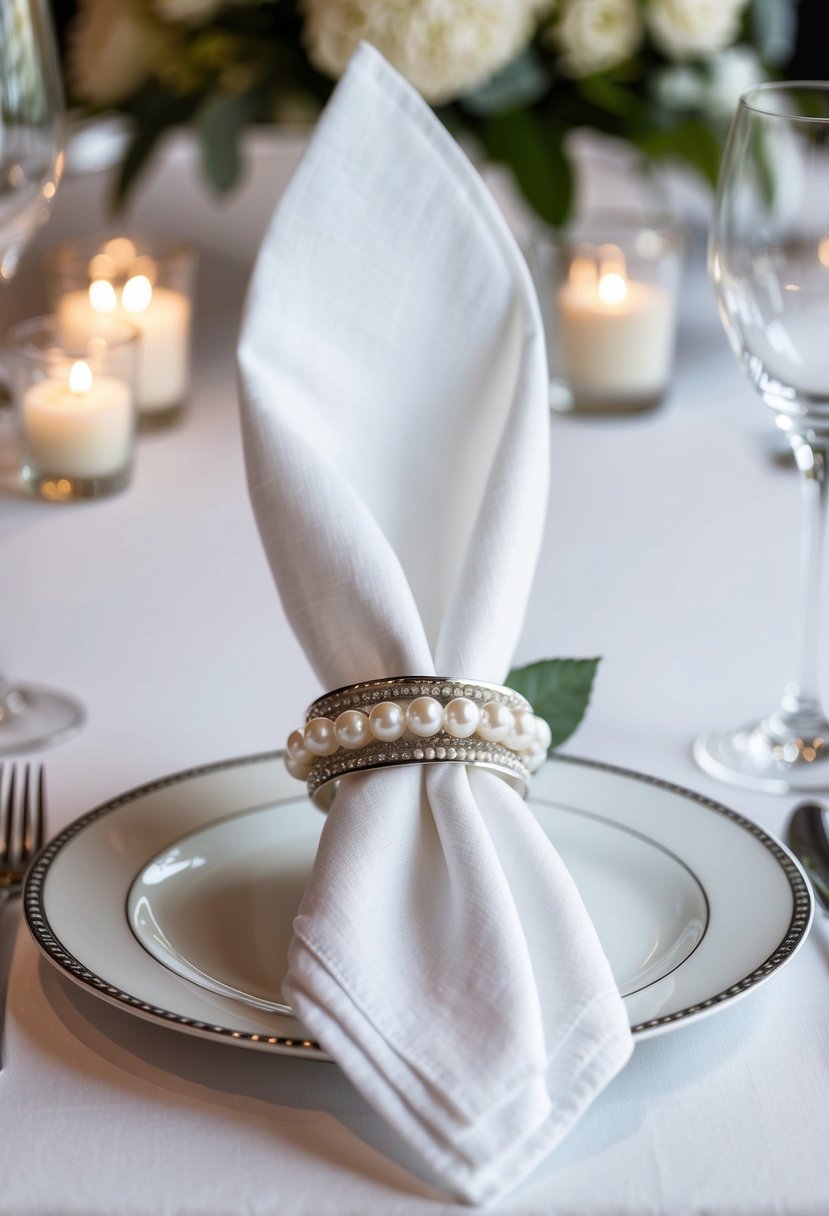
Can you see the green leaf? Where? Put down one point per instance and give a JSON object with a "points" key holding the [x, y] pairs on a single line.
{"points": [[153, 111], [521, 83], [691, 141], [221, 121], [605, 94], [535, 153], [137, 155], [558, 690]]}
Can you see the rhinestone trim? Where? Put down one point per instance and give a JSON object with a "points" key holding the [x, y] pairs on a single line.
{"points": [[437, 749], [396, 688]]}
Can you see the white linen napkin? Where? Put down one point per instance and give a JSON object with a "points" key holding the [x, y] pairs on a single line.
{"points": [[394, 407]]}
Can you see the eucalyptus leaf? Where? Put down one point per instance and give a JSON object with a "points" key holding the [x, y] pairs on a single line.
{"points": [[521, 83], [221, 121], [690, 141], [774, 25], [558, 690], [137, 156], [534, 151], [153, 111]]}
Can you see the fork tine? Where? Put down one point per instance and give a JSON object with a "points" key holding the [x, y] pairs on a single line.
{"points": [[25, 846], [8, 816], [23, 817], [40, 816]]}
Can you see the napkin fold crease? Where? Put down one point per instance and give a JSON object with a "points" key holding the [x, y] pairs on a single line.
{"points": [[395, 421]]}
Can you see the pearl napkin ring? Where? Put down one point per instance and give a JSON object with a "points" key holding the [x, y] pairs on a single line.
{"points": [[416, 720]]}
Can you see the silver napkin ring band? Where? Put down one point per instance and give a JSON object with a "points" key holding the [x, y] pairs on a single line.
{"points": [[416, 720]]}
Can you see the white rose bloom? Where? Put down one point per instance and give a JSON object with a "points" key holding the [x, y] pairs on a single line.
{"points": [[684, 29], [112, 46], [444, 47], [732, 73], [594, 35]]}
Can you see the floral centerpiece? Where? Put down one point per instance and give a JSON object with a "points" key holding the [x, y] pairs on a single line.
{"points": [[517, 75]]}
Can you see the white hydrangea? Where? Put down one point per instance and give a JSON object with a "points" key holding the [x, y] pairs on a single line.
{"points": [[594, 35], [444, 47], [732, 73], [112, 46], [685, 29]]}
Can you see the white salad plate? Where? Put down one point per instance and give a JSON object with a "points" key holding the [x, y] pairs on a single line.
{"points": [[175, 901]]}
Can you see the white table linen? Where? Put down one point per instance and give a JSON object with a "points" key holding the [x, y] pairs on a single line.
{"points": [[669, 550]]}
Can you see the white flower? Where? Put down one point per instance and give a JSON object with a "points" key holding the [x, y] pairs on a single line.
{"points": [[112, 46], [594, 35], [683, 29], [444, 47], [732, 73]]}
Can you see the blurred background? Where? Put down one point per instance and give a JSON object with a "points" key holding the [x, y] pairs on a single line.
{"points": [[520, 80]]}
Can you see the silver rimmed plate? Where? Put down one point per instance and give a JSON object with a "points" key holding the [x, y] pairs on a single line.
{"points": [[176, 900]]}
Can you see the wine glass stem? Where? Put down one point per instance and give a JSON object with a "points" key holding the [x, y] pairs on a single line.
{"points": [[801, 698]]}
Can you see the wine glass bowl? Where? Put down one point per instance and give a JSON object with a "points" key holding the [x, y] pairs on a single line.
{"points": [[31, 159], [769, 264]]}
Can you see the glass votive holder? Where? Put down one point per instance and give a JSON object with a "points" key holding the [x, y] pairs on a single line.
{"points": [[144, 279], [74, 406], [609, 288]]}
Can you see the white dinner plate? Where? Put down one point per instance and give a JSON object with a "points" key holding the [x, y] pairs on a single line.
{"points": [[175, 901]]}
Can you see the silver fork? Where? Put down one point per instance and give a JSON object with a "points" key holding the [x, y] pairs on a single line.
{"points": [[22, 832]]}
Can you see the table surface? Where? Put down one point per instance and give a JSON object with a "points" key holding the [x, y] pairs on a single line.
{"points": [[671, 550]]}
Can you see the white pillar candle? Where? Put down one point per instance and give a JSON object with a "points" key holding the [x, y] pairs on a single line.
{"points": [[617, 334], [163, 317], [82, 428]]}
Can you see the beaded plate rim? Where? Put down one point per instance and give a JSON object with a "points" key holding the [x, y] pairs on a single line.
{"points": [[49, 942]]}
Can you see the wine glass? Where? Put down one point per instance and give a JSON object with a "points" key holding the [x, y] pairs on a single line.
{"points": [[769, 262], [31, 157]]}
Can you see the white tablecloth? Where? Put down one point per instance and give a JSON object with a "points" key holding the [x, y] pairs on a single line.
{"points": [[671, 550]]}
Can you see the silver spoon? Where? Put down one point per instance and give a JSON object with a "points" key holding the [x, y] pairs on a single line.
{"points": [[806, 834]]}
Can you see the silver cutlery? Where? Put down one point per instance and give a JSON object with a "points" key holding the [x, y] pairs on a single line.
{"points": [[22, 832], [808, 840]]}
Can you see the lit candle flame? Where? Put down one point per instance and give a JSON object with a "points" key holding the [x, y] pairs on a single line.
{"points": [[122, 251], [613, 288], [80, 378], [584, 272], [137, 293], [102, 296]]}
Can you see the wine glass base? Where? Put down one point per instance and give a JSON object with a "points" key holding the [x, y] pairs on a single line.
{"points": [[36, 719], [750, 758]]}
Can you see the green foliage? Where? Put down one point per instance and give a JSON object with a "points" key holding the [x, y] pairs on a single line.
{"points": [[153, 111], [535, 153], [521, 83], [221, 121], [558, 690], [248, 62], [690, 141]]}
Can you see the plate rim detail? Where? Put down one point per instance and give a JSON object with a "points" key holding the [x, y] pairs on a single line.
{"points": [[51, 946]]}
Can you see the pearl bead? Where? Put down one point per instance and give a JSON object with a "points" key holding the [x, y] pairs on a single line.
{"points": [[543, 734], [495, 723], [461, 717], [523, 730], [387, 721], [424, 716], [297, 750], [320, 738], [351, 729], [534, 757], [301, 771]]}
